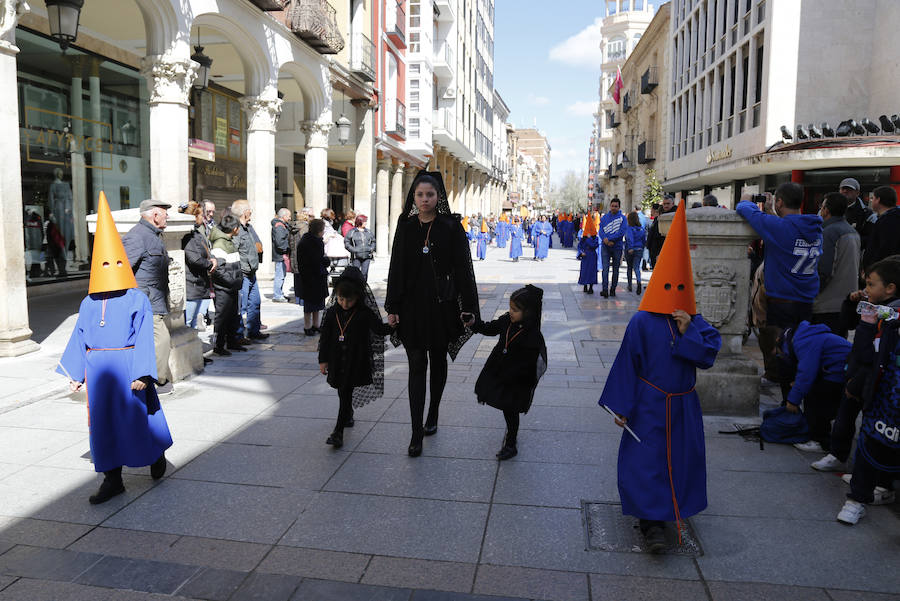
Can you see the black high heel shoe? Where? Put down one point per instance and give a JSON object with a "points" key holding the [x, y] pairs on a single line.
{"points": [[415, 445]]}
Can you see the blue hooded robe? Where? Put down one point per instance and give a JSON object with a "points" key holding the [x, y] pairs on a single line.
{"points": [[541, 237], [588, 248], [515, 241], [502, 229], [481, 249], [127, 427], [655, 357]]}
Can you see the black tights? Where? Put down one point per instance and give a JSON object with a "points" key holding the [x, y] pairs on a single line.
{"points": [[418, 365], [512, 427], [345, 410]]}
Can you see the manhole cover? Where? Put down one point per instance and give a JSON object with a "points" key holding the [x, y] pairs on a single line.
{"points": [[606, 529]]}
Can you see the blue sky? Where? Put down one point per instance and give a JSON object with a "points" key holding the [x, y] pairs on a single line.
{"points": [[546, 67]]}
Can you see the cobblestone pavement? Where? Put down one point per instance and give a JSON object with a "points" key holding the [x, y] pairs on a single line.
{"points": [[256, 506]]}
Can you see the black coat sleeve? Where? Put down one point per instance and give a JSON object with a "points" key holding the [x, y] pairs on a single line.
{"points": [[326, 336], [377, 326], [491, 328], [463, 275], [396, 276]]}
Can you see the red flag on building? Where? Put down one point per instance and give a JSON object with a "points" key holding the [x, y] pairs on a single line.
{"points": [[618, 85]]}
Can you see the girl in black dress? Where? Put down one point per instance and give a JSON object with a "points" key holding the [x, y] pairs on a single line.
{"points": [[351, 349], [429, 283], [518, 361]]}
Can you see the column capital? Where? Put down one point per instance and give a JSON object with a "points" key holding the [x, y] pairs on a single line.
{"points": [[384, 163], [169, 79], [262, 113], [10, 11], [316, 133], [411, 170], [398, 166]]}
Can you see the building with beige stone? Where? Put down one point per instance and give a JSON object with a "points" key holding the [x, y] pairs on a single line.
{"points": [[533, 144]]}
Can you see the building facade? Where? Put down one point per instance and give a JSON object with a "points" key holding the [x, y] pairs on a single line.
{"points": [[742, 70], [531, 143]]}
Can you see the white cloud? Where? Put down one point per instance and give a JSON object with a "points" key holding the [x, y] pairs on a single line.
{"points": [[538, 100], [582, 108], [582, 49]]}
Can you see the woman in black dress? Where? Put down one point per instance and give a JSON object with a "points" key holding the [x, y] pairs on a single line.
{"points": [[430, 283], [313, 274]]}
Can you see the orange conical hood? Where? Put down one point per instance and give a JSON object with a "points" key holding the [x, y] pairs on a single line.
{"points": [[671, 286], [110, 269], [590, 228], [597, 220], [465, 223], [484, 227]]}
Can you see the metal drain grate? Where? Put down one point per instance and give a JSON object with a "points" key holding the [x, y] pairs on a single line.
{"points": [[749, 432], [606, 529]]}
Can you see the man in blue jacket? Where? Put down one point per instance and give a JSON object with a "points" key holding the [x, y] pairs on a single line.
{"points": [[793, 244], [612, 236]]}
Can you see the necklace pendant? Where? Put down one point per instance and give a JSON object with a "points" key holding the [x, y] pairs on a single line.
{"points": [[102, 323], [504, 351], [340, 338], [425, 250]]}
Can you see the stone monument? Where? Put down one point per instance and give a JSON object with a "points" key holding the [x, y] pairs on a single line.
{"points": [[186, 357], [719, 240]]}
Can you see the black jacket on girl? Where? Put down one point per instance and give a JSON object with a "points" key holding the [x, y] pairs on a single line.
{"points": [[349, 359]]}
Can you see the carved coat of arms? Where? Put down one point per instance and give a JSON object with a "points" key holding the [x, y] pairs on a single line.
{"points": [[716, 291]]}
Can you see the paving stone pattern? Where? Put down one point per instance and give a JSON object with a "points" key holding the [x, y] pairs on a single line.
{"points": [[256, 506]]}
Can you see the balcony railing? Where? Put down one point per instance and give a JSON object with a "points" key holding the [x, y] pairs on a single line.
{"points": [[271, 4], [362, 57], [646, 152], [615, 55], [649, 80], [626, 102], [395, 118], [395, 25], [315, 22]]}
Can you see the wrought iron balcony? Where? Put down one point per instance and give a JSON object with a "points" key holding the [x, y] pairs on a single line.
{"points": [[271, 4], [612, 119], [395, 118], [626, 102], [611, 170], [646, 152], [395, 25], [649, 80], [362, 57], [315, 22]]}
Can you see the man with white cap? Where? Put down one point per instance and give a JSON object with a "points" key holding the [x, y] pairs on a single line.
{"points": [[857, 214]]}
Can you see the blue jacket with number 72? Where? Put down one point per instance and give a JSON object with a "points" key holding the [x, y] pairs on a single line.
{"points": [[793, 246]]}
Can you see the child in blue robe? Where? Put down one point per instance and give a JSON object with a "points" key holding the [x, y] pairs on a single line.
{"points": [[516, 237], [541, 238], [587, 252], [483, 237]]}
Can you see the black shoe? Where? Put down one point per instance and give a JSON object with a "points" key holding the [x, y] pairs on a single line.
{"points": [[222, 352], [109, 489], [315, 329], [612, 292], [584, 289], [638, 291], [629, 288], [234, 346], [430, 430], [655, 538], [259, 337], [350, 422], [309, 332], [604, 293], [243, 341], [336, 439], [207, 360], [507, 452], [590, 290], [415, 445], [158, 469]]}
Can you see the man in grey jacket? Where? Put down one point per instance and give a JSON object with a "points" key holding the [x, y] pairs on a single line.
{"points": [[150, 262], [281, 250], [839, 264], [249, 248]]}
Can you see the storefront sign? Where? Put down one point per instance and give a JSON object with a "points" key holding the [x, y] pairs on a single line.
{"points": [[201, 149], [53, 146], [718, 155], [221, 131]]}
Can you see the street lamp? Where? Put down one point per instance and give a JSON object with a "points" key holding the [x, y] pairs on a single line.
{"points": [[343, 127], [63, 16], [202, 80]]}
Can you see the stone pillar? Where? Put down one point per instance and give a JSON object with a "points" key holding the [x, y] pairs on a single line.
{"points": [[719, 240], [79, 171], [409, 174], [382, 203], [397, 200], [262, 116], [316, 164], [15, 335], [364, 159], [169, 82], [450, 182]]}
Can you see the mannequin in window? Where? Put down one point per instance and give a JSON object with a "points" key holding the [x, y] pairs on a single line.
{"points": [[60, 198]]}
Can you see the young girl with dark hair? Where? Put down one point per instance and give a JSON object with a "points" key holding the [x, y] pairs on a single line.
{"points": [[519, 359]]}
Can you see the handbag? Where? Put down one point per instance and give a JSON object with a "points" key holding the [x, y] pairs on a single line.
{"points": [[781, 426]]}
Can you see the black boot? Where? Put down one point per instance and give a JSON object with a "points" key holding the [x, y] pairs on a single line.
{"points": [[112, 485], [584, 289], [350, 422], [158, 469], [590, 289], [654, 535], [638, 292], [508, 451], [604, 293], [336, 439], [415, 444]]}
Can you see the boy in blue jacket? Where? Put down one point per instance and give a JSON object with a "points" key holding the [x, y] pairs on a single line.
{"points": [[813, 358], [612, 235]]}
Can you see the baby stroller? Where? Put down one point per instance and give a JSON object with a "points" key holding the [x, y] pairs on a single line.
{"points": [[338, 256]]}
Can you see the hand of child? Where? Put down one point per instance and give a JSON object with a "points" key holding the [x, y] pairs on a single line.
{"points": [[468, 319], [620, 420], [682, 319], [792, 408], [393, 320], [138, 385], [74, 386], [857, 296], [323, 368]]}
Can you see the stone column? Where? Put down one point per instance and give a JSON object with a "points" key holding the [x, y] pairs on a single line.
{"points": [[382, 203], [169, 82], [364, 159], [397, 200], [450, 181], [79, 171], [409, 174], [15, 335], [262, 116], [316, 164], [719, 241]]}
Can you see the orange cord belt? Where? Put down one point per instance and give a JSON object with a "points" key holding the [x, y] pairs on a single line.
{"points": [[669, 395]]}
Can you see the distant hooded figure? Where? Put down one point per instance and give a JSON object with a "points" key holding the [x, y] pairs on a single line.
{"points": [[484, 236], [430, 282]]}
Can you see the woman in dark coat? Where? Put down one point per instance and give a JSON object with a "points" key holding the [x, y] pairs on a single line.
{"points": [[429, 283], [313, 275], [200, 263]]}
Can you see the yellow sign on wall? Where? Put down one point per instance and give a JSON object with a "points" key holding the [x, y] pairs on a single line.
{"points": [[49, 142]]}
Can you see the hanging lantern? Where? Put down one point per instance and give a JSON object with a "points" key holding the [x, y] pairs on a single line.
{"points": [[202, 79], [63, 16], [343, 127]]}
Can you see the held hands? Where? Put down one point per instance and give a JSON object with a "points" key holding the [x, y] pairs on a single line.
{"points": [[393, 320], [323, 369], [468, 319], [682, 319]]}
